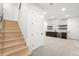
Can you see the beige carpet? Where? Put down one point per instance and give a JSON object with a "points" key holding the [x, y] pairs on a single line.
{"points": [[58, 47]]}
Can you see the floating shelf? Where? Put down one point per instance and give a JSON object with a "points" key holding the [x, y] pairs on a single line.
{"points": [[50, 27], [62, 27]]}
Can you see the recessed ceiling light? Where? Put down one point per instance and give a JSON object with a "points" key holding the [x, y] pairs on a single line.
{"points": [[63, 9], [52, 17], [51, 3], [67, 15]]}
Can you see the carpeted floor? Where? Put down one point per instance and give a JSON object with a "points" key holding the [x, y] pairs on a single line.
{"points": [[58, 47]]}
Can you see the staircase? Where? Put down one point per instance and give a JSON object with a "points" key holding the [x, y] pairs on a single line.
{"points": [[11, 40]]}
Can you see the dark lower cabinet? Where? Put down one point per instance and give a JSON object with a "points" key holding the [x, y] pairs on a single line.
{"points": [[64, 35], [55, 34], [52, 34]]}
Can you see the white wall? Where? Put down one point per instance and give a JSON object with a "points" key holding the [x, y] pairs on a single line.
{"points": [[45, 25], [10, 11], [31, 22], [23, 22], [1, 10], [73, 28]]}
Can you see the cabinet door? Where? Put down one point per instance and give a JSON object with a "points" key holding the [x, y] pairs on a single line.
{"points": [[64, 35]]}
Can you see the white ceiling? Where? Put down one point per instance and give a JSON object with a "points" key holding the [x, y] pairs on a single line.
{"points": [[72, 9]]}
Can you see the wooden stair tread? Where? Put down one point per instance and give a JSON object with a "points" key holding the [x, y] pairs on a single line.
{"points": [[9, 22], [11, 30], [8, 34], [10, 39], [13, 39], [24, 52], [13, 42], [0, 45], [0, 52], [12, 36], [12, 33], [1, 39], [11, 27], [14, 49], [1, 35], [10, 45]]}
